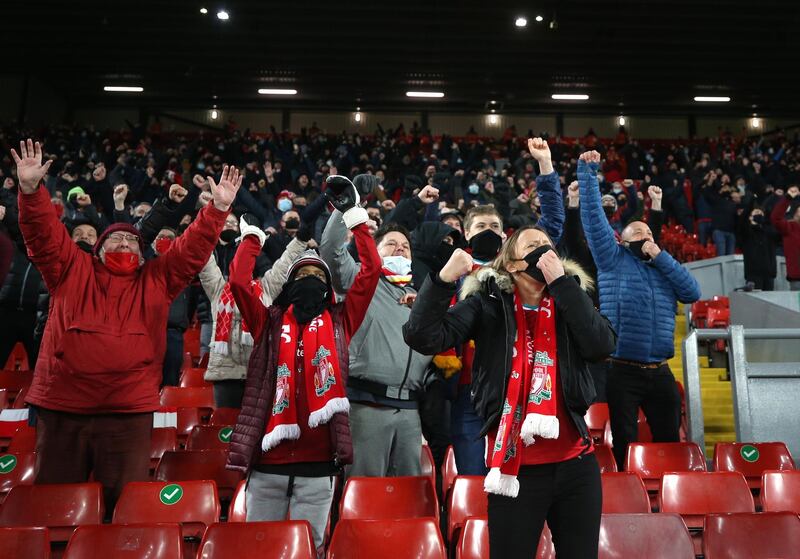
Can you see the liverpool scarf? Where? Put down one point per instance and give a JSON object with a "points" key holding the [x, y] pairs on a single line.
{"points": [[225, 312], [324, 391], [529, 409]]}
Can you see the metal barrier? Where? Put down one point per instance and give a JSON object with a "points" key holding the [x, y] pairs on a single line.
{"points": [[765, 395]]}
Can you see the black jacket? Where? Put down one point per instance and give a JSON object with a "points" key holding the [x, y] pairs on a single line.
{"points": [[486, 315], [758, 247], [427, 242]]}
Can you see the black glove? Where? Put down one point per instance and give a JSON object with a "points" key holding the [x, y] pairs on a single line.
{"points": [[342, 193], [304, 233], [365, 184], [250, 219]]}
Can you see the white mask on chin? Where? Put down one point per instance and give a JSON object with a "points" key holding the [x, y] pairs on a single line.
{"points": [[400, 265]]}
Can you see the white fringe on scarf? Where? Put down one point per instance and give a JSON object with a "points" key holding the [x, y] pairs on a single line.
{"points": [[324, 414], [222, 348], [538, 425], [279, 434], [501, 484]]}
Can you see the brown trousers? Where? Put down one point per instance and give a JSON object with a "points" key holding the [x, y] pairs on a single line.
{"points": [[114, 448]]}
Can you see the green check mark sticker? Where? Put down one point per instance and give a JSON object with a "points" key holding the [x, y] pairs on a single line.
{"points": [[7, 463], [171, 494], [749, 453], [225, 434]]}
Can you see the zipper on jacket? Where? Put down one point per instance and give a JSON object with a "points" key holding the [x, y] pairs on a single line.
{"points": [[22, 289], [405, 377]]}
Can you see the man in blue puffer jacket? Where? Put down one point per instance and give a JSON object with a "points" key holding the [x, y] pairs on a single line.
{"points": [[640, 285]]}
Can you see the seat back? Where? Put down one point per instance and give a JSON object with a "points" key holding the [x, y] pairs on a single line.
{"points": [[194, 397], [427, 464], [651, 460], [290, 539], [474, 541], [745, 535], [605, 458], [193, 504], [752, 459], [449, 469], [780, 491], [224, 416], [59, 507], [27, 543], [153, 541], [596, 417], [237, 511], [14, 381], [162, 439], [182, 465], [210, 437], [193, 378], [388, 497], [624, 492], [644, 535], [466, 499], [404, 537], [696, 494], [16, 469], [23, 440]]}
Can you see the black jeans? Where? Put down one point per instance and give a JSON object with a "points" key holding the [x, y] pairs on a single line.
{"points": [[568, 495], [764, 283], [228, 393], [655, 391], [173, 358]]}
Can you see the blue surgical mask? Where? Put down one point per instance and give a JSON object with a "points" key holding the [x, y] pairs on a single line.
{"points": [[201, 166], [284, 205], [474, 189], [400, 265]]}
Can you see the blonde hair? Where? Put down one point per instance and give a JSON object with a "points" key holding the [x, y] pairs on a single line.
{"points": [[508, 252], [473, 213]]}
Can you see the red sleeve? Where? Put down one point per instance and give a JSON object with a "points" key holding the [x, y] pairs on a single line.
{"points": [[778, 216], [253, 310], [49, 246], [360, 293]]}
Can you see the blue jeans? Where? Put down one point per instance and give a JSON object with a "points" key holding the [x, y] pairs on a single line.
{"points": [[465, 425], [703, 231], [724, 241]]}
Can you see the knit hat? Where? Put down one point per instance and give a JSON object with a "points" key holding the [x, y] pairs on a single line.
{"points": [[121, 227], [309, 258], [75, 192], [608, 197], [365, 183]]}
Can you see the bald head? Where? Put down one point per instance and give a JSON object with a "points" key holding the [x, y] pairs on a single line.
{"points": [[637, 231]]}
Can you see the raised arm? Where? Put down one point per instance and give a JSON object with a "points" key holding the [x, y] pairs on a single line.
{"points": [[548, 188], [334, 252], [655, 219], [211, 279], [253, 310], [778, 215], [598, 231], [363, 288]]}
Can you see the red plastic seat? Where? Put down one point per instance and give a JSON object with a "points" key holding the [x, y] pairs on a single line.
{"points": [[449, 469], [780, 491], [24, 440], [718, 317], [184, 465], [290, 539], [699, 313], [4, 399], [752, 459], [195, 505], [651, 460], [224, 416], [188, 419], [466, 499], [596, 418], [59, 507], [19, 400], [474, 541], [377, 498], [117, 541], [207, 437], [751, 536], [237, 511], [16, 469], [193, 378], [25, 543], [605, 458], [404, 537], [14, 381], [624, 492], [162, 439], [195, 397], [662, 536], [427, 465]]}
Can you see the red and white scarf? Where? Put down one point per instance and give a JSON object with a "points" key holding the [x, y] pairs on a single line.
{"points": [[531, 387], [225, 312], [325, 395], [400, 280]]}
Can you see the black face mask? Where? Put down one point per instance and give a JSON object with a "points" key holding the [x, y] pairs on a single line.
{"points": [[759, 219], [293, 223], [443, 253], [485, 245], [85, 247], [533, 259], [636, 248], [229, 235], [309, 296], [609, 211]]}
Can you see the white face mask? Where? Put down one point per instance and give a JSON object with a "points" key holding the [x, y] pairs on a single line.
{"points": [[400, 265]]}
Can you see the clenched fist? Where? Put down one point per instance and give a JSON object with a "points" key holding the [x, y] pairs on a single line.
{"points": [[573, 195], [177, 193], [120, 193], [551, 266], [590, 157], [428, 195], [655, 195], [540, 151], [459, 265], [651, 249], [99, 173]]}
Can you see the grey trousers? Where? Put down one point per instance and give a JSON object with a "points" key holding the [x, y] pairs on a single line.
{"points": [[386, 441], [794, 286], [271, 497]]}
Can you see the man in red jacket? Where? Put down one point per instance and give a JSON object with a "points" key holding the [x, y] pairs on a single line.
{"points": [[96, 382], [788, 224]]}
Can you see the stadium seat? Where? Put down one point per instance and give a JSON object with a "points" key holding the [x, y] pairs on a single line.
{"points": [[596, 418], [624, 492], [651, 460], [19, 400], [59, 507], [474, 541], [661, 536], [118, 541], [764, 535], [718, 317], [14, 381], [25, 543], [24, 440], [449, 469], [188, 419], [193, 378], [780, 491], [605, 458], [207, 437], [184, 465], [752, 459], [193, 504], [224, 416], [16, 469], [162, 439], [4, 400], [400, 537], [696, 494], [467, 498], [378, 498], [196, 397], [427, 465], [237, 511], [287, 540]]}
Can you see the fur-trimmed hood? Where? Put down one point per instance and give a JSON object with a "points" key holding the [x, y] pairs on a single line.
{"points": [[478, 280]]}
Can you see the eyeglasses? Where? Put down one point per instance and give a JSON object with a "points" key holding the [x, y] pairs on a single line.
{"points": [[119, 237]]}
